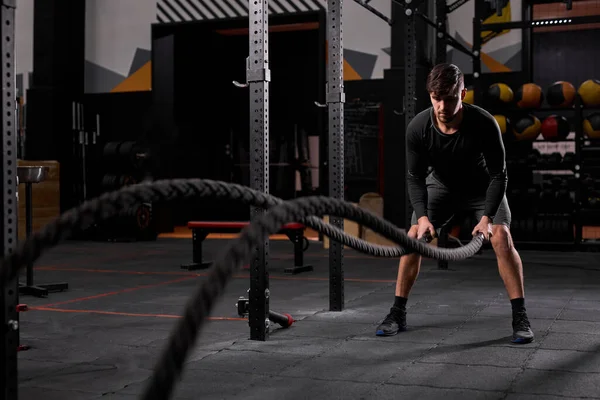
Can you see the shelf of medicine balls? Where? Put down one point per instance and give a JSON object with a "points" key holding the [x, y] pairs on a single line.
{"points": [[552, 141]]}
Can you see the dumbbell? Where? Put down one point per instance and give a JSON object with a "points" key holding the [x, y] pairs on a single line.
{"points": [[547, 199], [532, 196], [533, 158], [563, 200], [556, 182], [285, 320], [568, 160], [554, 160]]}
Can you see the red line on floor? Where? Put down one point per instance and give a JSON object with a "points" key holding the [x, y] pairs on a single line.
{"points": [[113, 271], [192, 274], [97, 296], [125, 314]]}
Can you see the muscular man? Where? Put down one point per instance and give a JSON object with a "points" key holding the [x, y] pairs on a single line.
{"points": [[463, 145]]}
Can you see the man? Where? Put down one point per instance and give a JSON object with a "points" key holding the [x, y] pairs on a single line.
{"points": [[463, 145]]}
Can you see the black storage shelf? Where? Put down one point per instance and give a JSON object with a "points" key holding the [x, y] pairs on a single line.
{"points": [[535, 224]]}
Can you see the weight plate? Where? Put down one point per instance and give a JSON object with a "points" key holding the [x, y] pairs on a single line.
{"points": [[143, 216], [110, 149], [305, 243], [127, 150]]}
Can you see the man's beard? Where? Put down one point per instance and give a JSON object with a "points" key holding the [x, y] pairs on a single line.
{"points": [[446, 117]]}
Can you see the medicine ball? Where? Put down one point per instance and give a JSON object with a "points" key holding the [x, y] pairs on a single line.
{"points": [[591, 125], [590, 92], [527, 128], [500, 93], [560, 94], [503, 122], [529, 95], [555, 127], [469, 97]]}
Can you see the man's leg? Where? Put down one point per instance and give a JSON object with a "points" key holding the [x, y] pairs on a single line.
{"points": [[510, 265], [408, 270], [439, 209], [510, 268]]}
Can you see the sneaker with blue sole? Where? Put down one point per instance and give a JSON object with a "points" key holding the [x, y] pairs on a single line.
{"points": [[522, 332], [393, 323]]}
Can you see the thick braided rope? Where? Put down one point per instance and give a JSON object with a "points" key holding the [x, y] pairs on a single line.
{"points": [[170, 365], [184, 338], [109, 204]]}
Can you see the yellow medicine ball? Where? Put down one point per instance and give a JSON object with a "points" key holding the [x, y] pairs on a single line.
{"points": [[469, 97], [527, 128], [500, 93], [502, 122], [590, 92], [591, 125]]}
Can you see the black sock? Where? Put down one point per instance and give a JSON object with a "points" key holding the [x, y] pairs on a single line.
{"points": [[400, 302], [518, 304]]}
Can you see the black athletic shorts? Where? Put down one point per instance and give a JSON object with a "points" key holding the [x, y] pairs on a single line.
{"points": [[446, 208]]}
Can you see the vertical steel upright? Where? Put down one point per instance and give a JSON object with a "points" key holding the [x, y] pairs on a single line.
{"points": [[335, 101], [477, 21], [258, 77], [410, 64], [441, 22], [9, 296]]}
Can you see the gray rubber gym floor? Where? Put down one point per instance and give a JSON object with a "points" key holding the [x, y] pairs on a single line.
{"points": [[102, 338]]}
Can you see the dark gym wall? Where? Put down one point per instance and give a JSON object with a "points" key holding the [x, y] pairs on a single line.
{"points": [[568, 55], [125, 116], [209, 112], [58, 70]]}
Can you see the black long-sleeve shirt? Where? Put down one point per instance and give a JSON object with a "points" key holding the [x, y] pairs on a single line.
{"points": [[470, 161]]}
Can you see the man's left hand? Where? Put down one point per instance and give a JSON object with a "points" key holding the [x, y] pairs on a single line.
{"points": [[484, 227]]}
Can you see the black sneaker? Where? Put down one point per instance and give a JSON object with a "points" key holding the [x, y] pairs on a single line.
{"points": [[521, 328], [393, 323]]}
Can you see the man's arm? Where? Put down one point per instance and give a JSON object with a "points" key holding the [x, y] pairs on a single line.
{"points": [[495, 159], [416, 171]]}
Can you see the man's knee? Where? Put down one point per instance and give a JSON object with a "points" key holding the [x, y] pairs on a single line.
{"points": [[501, 239], [413, 231]]}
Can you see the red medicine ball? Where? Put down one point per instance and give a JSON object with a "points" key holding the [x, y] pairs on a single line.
{"points": [[555, 127]]}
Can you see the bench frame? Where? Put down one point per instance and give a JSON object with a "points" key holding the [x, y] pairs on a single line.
{"points": [[201, 230]]}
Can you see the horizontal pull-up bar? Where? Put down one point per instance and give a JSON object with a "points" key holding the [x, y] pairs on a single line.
{"points": [[541, 23], [455, 5]]}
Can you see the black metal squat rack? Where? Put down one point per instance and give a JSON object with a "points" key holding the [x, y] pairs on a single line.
{"points": [[9, 286]]}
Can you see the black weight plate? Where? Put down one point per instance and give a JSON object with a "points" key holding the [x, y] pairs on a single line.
{"points": [[127, 150], [109, 181], [143, 216], [305, 243], [110, 149]]}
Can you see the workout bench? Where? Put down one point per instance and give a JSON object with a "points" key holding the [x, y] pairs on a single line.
{"points": [[201, 229]]}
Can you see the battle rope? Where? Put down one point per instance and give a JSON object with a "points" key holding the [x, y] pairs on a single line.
{"points": [[108, 204], [168, 369], [302, 210]]}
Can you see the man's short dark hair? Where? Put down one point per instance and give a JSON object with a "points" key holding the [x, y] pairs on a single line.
{"points": [[444, 79]]}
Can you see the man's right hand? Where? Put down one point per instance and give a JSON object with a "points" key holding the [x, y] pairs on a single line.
{"points": [[425, 228]]}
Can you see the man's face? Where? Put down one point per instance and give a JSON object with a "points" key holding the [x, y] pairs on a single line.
{"points": [[446, 106]]}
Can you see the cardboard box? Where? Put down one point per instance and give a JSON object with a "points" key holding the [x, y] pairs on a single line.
{"points": [[350, 227], [373, 202]]}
